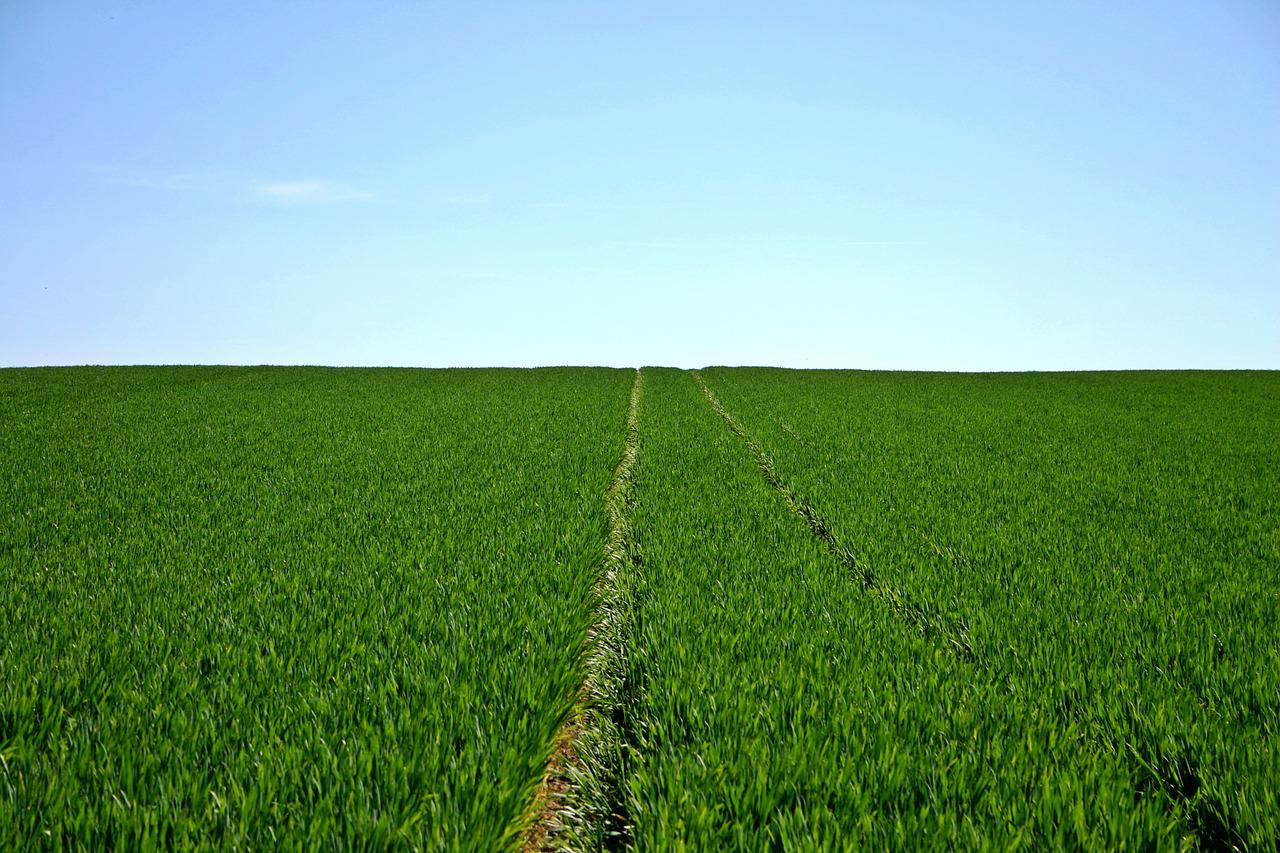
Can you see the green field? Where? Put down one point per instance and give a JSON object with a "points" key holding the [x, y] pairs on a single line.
{"points": [[724, 609]]}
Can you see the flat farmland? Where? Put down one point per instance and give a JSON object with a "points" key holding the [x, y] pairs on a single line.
{"points": [[325, 608], [734, 608], [1099, 548]]}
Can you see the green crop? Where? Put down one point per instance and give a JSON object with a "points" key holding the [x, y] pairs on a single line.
{"points": [[782, 705], [585, 608], [1101, 546], [292, 607]]}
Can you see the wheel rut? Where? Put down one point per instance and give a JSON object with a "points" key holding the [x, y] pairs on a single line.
{"points": [[924, 617], [577, 803], [1204, 815]]}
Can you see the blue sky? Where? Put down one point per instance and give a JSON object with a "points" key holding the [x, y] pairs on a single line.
{"points": [[953, 186]]}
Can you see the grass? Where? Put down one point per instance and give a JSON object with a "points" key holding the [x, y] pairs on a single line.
{"points": [[821, 609], [262, 608], [1107, 541]]}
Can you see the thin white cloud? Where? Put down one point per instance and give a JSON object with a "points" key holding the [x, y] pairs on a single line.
{"points": [[311, 192], [173, 183]]}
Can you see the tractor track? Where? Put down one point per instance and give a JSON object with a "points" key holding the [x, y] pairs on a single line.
{"points": [[576, 804], [929, 622], [1176, 774]]}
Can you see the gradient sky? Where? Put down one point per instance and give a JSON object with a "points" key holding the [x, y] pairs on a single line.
{"points": [[951, 186]]}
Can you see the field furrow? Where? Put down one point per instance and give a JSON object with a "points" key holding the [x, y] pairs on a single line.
{"points": [[772, 707], [585, 609], [577, 803], [930, 623]]}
